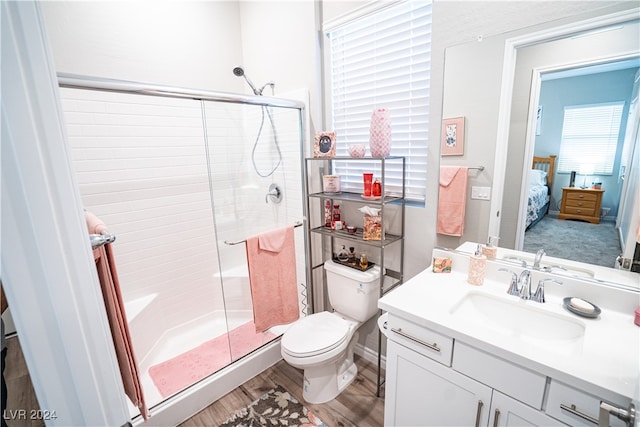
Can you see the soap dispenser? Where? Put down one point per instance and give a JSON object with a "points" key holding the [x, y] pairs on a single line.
{"points": [[491, 248], [477, 267]]}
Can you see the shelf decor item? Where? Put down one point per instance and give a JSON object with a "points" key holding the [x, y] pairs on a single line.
{"points": [[380, 133], [357, 150], [324, 144], [372, 224], [452, 137], [367, 179], [331, 184]]}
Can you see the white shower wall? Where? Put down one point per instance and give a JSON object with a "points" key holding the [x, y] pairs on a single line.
{"points": [[141, 165]]}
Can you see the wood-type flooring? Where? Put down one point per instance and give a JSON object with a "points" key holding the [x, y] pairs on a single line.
{"points": [[356, 406]]}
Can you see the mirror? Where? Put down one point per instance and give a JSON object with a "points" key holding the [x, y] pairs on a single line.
{"points": [[473, 94]]}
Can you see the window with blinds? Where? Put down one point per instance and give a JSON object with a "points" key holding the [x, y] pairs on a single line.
{"points": [[590, 138], [383, 60]]}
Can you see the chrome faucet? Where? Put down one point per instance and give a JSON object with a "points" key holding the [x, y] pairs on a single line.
{"points": [[524, 283], [513, 286], [538, 296], [519, 286], [538, 258]]}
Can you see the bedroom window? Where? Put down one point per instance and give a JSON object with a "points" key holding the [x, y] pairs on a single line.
{"points": [[590, 138], [383, 60]]}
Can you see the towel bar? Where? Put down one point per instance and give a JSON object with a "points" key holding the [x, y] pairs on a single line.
{"points": [[297, 224], [98, 240]]}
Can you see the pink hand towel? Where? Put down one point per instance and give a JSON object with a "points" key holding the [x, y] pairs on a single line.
{"points": [[94, 224], [272, 274], [452, 200]]}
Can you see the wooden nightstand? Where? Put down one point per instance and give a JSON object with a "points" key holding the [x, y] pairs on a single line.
{"points": [[579, 203]]}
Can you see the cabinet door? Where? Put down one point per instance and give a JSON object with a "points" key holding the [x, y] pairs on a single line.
{"points": [[508, 412], [421, 392]]}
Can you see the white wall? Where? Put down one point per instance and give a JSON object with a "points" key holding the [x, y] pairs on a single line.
{"points": [[186, 44]]}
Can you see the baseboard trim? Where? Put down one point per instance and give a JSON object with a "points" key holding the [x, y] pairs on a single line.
{"points": [[370, 355]]}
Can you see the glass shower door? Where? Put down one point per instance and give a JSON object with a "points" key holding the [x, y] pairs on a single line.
{"points": [[251, 150]]}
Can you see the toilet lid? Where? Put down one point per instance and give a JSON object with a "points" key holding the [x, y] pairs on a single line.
{"points": [[315, 334]]}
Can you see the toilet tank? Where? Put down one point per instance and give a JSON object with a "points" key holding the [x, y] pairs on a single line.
{"points": [[352, 292]]}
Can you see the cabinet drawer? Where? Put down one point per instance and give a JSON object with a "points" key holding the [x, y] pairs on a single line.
{"points": [[565, 403], [579, 211], [518, 382], [423, 340], [582, 196], [581, 204]]}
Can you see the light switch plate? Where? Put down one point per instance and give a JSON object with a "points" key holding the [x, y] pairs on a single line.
{"points": [[481, 193]]}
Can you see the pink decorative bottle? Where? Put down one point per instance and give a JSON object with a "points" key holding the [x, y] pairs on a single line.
{"points": [[380, 133]]}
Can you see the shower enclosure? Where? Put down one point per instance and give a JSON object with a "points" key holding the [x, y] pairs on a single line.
{"points": [[179, 177]]}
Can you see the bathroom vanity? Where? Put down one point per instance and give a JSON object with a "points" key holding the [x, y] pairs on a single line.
{"points": [[459, 354]]}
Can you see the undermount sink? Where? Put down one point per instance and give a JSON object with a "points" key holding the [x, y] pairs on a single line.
{"points": [[519, 319]]}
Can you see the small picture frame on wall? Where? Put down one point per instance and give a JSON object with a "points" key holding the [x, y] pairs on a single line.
{"points": [[324, 144], [452, 137]]}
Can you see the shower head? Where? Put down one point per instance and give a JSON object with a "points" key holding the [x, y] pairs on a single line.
{"points": [[239, 71]]}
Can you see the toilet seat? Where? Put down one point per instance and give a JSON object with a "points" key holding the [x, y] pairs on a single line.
{"points": [[315, 334]]}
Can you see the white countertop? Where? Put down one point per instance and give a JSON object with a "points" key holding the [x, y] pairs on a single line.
{"points": [[606, 359]]}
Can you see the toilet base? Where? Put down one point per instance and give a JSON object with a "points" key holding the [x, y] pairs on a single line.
{"points": [[320, 385], [325, 382]]}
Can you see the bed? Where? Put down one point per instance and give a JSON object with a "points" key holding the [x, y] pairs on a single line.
{"points": [[540, 184]]}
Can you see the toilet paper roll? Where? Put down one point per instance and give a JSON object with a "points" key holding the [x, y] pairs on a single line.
{"points": [[382, 324]]}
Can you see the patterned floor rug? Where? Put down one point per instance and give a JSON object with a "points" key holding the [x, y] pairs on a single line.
{"points": [[275, 408]]}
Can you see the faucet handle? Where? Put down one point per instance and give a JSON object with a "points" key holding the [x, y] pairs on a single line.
{"points": [[539, 294], [513, 286]]}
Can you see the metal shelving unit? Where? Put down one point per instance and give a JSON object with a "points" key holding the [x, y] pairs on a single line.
{"points": [[389, 277]]}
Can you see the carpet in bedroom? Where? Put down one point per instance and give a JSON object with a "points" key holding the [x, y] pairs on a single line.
{"points": [[575, 240]]}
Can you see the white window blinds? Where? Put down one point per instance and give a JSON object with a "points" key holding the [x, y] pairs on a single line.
{"points": [[590, 138], [383, 60]]}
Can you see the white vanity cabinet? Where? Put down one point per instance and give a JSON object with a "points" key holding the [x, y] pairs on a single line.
{"points": [[422, 392], [424, 389], [468, 355]]}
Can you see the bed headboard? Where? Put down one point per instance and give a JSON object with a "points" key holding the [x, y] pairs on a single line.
{"points": [[547, 164]]}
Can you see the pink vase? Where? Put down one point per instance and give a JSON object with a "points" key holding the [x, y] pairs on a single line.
{"points": [[380, 133]]}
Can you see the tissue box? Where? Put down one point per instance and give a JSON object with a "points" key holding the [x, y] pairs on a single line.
{"points": [[372, 228], [442, 265]]}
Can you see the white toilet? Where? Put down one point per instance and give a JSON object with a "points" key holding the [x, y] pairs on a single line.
{"points": [[322, 343]]}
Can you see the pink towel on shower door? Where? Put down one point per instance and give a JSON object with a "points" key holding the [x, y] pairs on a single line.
{"points": [[114, 305], [452, 200], [272, 273]]}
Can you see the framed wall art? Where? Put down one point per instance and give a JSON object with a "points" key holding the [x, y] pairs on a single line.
{"points": [[452, 137], [324, 144]]}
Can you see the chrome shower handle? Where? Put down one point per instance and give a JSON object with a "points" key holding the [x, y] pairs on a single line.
{"points": [[274, 193]]}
